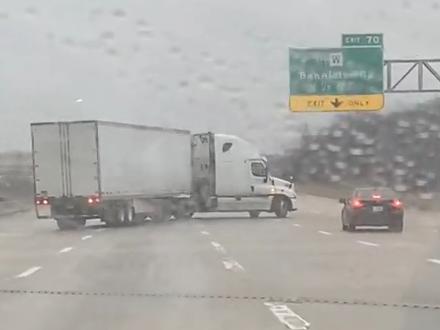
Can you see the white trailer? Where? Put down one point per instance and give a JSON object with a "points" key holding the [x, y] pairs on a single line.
{"points": [[120, 173]]}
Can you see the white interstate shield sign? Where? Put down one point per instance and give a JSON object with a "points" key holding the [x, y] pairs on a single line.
{"points": [[336, 59]]}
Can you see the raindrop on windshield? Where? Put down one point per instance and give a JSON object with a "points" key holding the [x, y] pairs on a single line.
{"points": [[108, 35], [120, 13]]}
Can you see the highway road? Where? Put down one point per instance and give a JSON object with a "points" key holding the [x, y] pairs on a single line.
{"points": [[221, 272]]}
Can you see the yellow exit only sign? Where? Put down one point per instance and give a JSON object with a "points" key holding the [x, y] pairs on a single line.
{"points": [[334, 103]]}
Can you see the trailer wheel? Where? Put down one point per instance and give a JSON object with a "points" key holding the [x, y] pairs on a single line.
{"points": [[120, 216], [129, 215], [70, 223]]}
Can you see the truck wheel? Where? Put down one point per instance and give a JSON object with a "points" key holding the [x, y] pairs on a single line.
{"points": [[281, 207], [254, 214], [129, 215], [109, 216], [70, 224], [138, 219], [120, 216]]}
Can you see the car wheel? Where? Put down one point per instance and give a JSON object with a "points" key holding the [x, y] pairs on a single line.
{"points": [[351, 227], [254, 214], [344, 226], [281, 207], [397, 226]]}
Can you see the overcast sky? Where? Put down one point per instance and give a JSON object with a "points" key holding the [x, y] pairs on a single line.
{"points": [[217, 65]]}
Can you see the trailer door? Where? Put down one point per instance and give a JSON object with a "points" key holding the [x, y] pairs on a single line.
{"points": [[47, 146], [83, 159]]}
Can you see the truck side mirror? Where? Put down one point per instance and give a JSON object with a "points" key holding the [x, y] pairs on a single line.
{"points": [[342, 200]]}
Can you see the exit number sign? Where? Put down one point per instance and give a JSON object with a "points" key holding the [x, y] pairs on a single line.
{"points": [[362, 40]]}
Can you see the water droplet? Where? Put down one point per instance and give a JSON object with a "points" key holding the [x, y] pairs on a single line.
{"points": [[406, 4], [435, 6], [68, 41], [141, 22], [231, 89], [119, 13], [162, 87], [183, 83], [108, 35], [175, 50], [205, 80], [95, 12], [112, 52], [145, 33], [136, 48], [50, 36], [31, 10], [4, 15], [280, 105], [220, 63]]}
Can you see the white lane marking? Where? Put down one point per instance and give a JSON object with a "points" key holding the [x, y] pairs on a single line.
{"points": [[28, 272], [86, 237], [100, 230], [218, 247], [66, 249], [324, 232], [368, 243], [434, 261], [287, 317], [231, 264], [13, 235], [296, 225], [204, 232]]}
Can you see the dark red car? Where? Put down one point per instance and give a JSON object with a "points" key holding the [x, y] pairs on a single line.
{"points": [[372, 207]]}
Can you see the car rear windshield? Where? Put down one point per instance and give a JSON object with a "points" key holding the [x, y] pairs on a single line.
{"points": [[371, 193]]}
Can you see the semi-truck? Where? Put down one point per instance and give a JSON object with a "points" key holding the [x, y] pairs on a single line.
{"points": [[124, 174]]}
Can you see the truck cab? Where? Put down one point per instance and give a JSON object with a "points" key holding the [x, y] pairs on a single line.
{"points": [[229, 175]]}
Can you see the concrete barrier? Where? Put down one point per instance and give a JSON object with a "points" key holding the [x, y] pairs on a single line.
{"points": [[12, 207]]}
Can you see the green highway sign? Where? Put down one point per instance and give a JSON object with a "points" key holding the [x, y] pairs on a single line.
{"points": [[365, 40], [336, 79]]}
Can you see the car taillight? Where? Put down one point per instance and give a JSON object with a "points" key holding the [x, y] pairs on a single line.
{"points": [[93, 200], [397, 204], [41, 201], [356, 203]]}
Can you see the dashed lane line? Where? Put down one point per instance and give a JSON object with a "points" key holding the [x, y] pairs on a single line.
{"points": [[287, 317], [232, 265], [29, 272], [204, 232], [368, 243], [325, 232], [86, 237], [66, 249], [433, 261], [218, 247], [296, 225]]}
